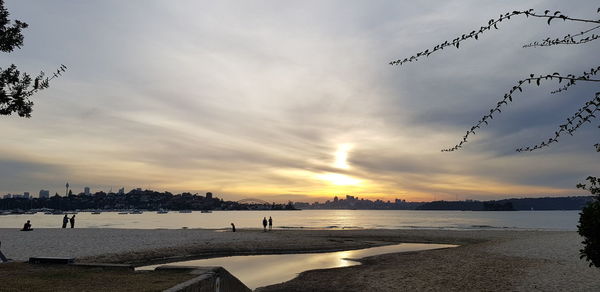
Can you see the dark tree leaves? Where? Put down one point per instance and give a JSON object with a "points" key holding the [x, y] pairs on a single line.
{"points": [[17, 87]]}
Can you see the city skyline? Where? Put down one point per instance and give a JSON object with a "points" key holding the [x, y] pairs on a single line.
{"points": [[291, 101]]}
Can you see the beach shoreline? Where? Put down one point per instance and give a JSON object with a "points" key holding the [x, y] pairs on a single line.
{"points": [[491, 260]]}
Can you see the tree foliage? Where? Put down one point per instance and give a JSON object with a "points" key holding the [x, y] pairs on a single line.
{"points": [[589, 222], [16, 87]]}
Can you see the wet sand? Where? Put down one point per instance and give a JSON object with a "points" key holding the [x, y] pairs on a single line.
{"points": [[487, 260]]}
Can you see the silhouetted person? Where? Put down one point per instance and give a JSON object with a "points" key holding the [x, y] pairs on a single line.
{"points": [[232, 227], [27, 226], [65, 221], [72, 221], [265, 224], [270, 223]]}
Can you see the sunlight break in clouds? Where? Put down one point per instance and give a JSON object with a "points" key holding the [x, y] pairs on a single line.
{"points": [[341, 156], [339, 179], [341, 162]]}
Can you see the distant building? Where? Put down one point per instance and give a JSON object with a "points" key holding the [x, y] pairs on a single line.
{"points": [[26, 195], [121, 191], [17, 196], [209, 195], [7, 196], [44, 194], [86, 191], [349, 198]]}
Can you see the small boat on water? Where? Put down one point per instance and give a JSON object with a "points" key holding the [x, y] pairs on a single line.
{"points": [[162, 211], [96, 212], [123, 213], [136, 212], [205, 211]]}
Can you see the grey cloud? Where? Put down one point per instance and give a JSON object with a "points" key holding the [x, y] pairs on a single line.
{"points": [[237, 91]]}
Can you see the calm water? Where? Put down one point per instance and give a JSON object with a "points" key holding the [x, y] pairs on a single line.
{"points": [[382, 219], [263, 270]]}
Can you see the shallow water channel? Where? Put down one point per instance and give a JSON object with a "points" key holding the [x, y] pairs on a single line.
{"points": [[262, 270]]}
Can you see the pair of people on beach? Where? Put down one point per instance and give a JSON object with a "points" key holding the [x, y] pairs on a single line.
{"points": [[66, 220], [265, 223]]}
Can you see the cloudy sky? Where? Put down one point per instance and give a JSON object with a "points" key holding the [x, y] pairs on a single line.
{"points": [[294, 100]]}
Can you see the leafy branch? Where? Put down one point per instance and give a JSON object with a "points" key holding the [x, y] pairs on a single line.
{"points": [[566, 40], [593, 187], [508, 97], [574, 122], [492, 23], [568, 85], [17, 87]]}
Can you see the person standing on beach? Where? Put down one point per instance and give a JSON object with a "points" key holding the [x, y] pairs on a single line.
{"points": [[65, 221], [72, 220], [270, 223], [232, 227], [264, 224]]}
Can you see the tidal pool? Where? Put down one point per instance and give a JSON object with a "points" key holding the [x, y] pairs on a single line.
{"points": [[262, 270]]}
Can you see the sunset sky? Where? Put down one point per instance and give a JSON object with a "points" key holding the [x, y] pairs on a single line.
{"points": [[294, 100]]}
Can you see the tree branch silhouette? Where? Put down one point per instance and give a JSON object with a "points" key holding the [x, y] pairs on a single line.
{"points": [[17, 87], [508, 97], [566, 40], [588, 221], [568, 85], [492, 23], [574, 122]]}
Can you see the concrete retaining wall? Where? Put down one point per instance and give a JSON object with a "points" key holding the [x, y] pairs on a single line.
{"points": [[209, 279]]}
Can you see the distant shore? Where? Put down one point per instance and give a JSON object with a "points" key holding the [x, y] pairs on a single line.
{"points": [[491, 260]]}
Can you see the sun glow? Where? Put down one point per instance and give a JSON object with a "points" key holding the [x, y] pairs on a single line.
{"points": [[339, 179], [341, 156]]}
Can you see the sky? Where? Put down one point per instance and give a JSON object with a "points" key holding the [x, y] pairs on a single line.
{"points": [[294, 100]]}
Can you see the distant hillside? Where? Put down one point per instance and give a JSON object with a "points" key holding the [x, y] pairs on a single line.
{"points": [[546, 203]]}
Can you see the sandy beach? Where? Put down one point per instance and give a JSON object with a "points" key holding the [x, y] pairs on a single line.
{"points": [[487, 260]]}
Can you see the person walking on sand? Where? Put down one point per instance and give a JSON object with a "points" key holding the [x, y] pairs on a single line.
{"points": [[65, 221], [232, 227], [264, 224], [72, 221], [270, 223]]}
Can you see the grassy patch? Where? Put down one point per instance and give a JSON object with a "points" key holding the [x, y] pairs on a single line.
{"points": [[28, 277]]}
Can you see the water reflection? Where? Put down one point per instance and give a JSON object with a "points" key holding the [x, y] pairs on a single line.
{"points": [[263, 270]]}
